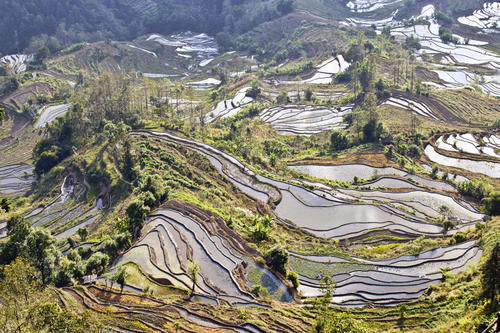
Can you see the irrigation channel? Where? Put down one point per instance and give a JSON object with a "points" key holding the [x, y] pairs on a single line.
{"points": [[343, 214]]}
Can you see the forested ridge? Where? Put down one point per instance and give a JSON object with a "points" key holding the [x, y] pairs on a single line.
{"points": [[36, 23]]}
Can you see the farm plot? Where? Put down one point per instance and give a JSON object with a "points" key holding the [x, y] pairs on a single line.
{"points": [[324, 71], [349, 213], [421, 203], [172, 240], [230, 107], [226, 164], [386, 283], [413, 106], [485, 18], [470, 54], [65, 214], [469, 143], [202, 46], [18, 62], [15, 179], [490, 169], [489, 84], [293, 94], [50, 113], [336, 214], [385, 176], [204, 84], [369, 23], [294, 119], [363, 6]]}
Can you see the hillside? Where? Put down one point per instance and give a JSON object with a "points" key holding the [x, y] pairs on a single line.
{"points": [[250, 166]]}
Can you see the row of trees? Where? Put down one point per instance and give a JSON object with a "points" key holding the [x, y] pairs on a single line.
{"points": [[40, 248]]}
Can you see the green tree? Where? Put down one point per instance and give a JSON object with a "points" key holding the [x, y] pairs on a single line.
{"points": [[41, 250], [17, 230], [294, 278], [339, 141], [19, 288], [193, 271], [96, 263], [136, 213], [2, 115], [277, 259], [129, 161], [83, 233], [120, 277], [285, 6], [5, 204], [492, 203], [327, 286], [491, 276]]}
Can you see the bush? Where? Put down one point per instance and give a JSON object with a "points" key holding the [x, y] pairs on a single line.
{"points": [[294, 278], [136, 213], [96, 263], [260, 291], [338, 323], [447, 36], [339, 141], [492, 204], [260, 232], [277, 259]]}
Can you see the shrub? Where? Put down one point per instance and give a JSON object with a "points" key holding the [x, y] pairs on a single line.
{"points": [[339, 323], [339, 141], [277, 259], [294, 278], [260, 232]]}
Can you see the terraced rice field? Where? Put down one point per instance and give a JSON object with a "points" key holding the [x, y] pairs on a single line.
{"points": [[294, 119], [204, 84], [174, 239], [363, 6], [344, 214], [64, 215], [328, 213], [369, 23], [17, 61], [485, 18], [50, 113], [384, 283], [470, 53], [468, 143], [230, 107], [453, 79], [158, 315], [324, 71], [413, 106], [490, 169], [321, 94], [188, 44], [381, 176], [15, 180]]}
